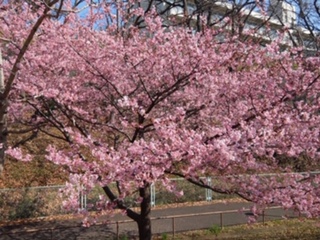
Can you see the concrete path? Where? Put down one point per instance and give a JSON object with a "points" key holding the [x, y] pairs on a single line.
{"points": [[164, 220]]}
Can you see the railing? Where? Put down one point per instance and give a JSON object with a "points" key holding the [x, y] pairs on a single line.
{"points": [[117, 224], [30, 202], [45, 200]]}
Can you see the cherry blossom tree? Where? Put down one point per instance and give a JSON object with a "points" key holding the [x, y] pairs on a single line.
{"points": [[137, 106], [18, 47]]}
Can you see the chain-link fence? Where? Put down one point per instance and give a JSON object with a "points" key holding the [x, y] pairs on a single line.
{"points": [[191, 192], [46, 200], [30, 202]]}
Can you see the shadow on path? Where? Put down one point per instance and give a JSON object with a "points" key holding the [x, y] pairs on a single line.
{"points": [[72, 229]]}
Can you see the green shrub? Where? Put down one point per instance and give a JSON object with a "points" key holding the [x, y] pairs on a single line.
{"points": [[215, 229], [164, 236], [26, 208]]}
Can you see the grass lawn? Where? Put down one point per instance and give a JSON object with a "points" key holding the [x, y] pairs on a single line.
{"points": [[293, 229]]}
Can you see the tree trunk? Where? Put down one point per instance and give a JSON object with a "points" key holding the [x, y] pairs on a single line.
{"points": [[3, 132], [5, 87], [144, 222], [144, 225], [3, 118], [143, 219]]}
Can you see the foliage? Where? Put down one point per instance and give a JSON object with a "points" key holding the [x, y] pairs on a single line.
{"points": [[215, 229], [25, 209], [301, 163], [124, 237], [38, 172], [136, 106], [29, 203], [164, 236]]}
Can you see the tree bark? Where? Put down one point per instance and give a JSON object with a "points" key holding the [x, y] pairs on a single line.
{"points": [[3, 118], [143, 219], [144, 222], [144, 226], [5, 86]]}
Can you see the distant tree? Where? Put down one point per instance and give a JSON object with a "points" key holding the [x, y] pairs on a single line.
{"points": [[143, 105]]}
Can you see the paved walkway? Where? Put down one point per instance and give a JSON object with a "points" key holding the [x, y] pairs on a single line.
{"points": [[71, 229]]}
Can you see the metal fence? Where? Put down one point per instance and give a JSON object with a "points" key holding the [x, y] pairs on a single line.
{"points": [[46, 200], [164, 224], [29, 202]]}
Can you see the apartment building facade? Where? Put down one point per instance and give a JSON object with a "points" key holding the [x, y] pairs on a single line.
{"points": [[264, 22]]}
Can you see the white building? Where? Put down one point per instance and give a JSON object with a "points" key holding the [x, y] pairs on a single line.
{"points": [[265, 24]]}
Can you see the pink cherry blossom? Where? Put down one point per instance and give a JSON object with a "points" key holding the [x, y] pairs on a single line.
{"points": [[135, 106]]}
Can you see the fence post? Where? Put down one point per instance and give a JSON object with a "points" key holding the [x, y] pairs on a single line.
{"points": [[153, 194], [85, 201], [173, 227], [209, 191], [82, 198], [117, 226]]}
